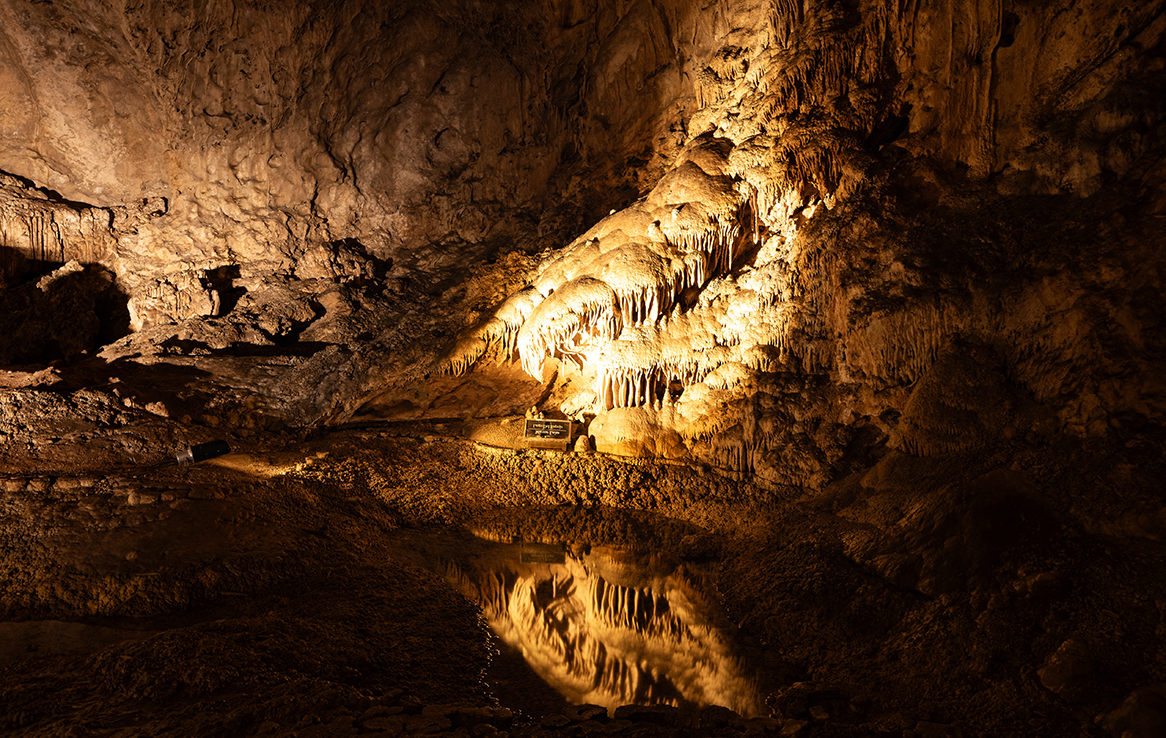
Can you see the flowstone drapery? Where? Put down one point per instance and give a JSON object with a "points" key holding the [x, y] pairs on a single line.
{"points": [[700, 288]]}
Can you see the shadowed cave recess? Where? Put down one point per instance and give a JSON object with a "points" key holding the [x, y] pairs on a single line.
{"points": [[854, 308]]}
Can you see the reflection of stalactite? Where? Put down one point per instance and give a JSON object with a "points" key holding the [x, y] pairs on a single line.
{"points": [[639, 609], [603, 642]]}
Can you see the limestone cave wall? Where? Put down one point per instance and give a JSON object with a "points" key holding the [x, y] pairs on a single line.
{"points": [[254, 134], [858, 301]]}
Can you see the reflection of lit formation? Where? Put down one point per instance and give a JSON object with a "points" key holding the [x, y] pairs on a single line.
{"points": [[601, 642]]}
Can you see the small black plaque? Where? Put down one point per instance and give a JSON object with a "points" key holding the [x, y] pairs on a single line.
{"points": [[541, 553], [543, 557]]}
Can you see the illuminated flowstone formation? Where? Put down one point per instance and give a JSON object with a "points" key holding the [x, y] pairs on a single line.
{"points": [[686, 303], [675, 305], [613, 302]]}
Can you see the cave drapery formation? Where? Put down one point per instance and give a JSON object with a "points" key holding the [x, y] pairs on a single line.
{"points": [[778, 152], [888, 271]]}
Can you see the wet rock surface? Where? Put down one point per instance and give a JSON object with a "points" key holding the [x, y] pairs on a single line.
{"points": [[276, 590]]}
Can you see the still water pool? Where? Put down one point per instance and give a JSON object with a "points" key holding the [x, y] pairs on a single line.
{"points": [[602, 625]]}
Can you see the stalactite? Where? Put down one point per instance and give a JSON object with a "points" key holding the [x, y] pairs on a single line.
{"points": [[510, 317], [784, 18], [674, 308], [716, 245], [582, 311], [901, 346], [730, 452], [464, 354], [52, 232]]}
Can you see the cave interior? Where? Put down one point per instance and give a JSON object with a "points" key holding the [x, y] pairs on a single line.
{"points": [[566, 367]]}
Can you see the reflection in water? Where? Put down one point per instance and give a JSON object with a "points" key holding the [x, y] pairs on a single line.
{"points": [[603, 627]]}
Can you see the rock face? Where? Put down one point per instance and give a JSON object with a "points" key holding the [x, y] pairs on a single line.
{"points": [[824, 193], [429, 133]]}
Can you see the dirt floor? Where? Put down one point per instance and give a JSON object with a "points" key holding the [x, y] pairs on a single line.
{"points": [[282, 589]]}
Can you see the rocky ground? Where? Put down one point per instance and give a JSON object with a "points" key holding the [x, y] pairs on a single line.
{"points": [[278, 590]]}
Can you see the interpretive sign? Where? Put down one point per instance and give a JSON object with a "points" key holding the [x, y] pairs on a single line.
{"points": [[536, 553], [541, 433]]}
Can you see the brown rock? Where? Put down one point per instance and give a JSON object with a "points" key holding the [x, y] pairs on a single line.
{"points": [[1067, 670], [1141, 715], [385, 723]]}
